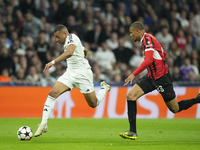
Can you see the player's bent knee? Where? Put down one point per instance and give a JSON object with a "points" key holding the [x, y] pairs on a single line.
{"points": [[92, 104], [91, 99], [53, 93], [174, 110], [131, 96]]}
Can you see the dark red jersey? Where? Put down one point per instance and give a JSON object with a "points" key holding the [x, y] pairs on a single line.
{"points": [[154, 58]]}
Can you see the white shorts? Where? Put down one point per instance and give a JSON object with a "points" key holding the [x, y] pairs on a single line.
{"points": [[83, 81]]}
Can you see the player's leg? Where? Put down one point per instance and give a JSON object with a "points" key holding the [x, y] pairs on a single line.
{"points": [[167, 91], [84, 83], [142, 87], [101, 93], [91, 99], [57, 90], [94, 99], [175, 106], [132, 96]]}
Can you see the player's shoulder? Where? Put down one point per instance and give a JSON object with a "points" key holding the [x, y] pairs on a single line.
{"points": [[70, 38], [146, 38], [148, 35], [73, 36]]}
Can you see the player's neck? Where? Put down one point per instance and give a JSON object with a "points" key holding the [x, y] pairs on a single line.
{"points": [[142, 35]]}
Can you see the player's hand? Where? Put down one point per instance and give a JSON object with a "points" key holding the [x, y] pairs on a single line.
{"points": [[129, 79], [47, 66]]}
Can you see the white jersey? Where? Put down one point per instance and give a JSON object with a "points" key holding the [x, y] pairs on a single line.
{"points": [[76, 63]]}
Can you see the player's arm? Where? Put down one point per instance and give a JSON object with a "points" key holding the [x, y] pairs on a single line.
{"points": [[68, 53], [85, 52], [147, 62]]}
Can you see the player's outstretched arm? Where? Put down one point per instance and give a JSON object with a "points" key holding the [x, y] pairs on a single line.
{"points": [[148, 60], [68, 53]]}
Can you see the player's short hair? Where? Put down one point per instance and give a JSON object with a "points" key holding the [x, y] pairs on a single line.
{"points": [[137, 25], [60, 27]]}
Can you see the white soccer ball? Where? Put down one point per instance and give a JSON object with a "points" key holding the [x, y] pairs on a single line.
{"points": [[25, 133]]}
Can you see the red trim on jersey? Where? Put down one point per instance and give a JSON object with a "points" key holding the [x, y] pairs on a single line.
{"points": [[148, 60], [154, 58]]}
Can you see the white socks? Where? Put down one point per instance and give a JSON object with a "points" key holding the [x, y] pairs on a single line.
{"points": [[100, 95], [50, 103], [48, 108]]}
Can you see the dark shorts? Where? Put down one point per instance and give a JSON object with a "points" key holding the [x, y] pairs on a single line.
{"points": [[163, 85]]}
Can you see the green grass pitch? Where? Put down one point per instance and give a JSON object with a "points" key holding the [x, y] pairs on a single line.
{"points": [[102, 134]]}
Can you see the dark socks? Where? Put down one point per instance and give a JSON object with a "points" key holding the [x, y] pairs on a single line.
{"points": [[132, 111], [185, 104]]}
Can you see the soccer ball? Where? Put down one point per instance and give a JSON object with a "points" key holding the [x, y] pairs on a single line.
{"points": [[24, 133]]}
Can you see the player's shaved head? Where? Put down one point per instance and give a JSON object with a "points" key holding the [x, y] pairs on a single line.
{"points": [[137, 25], [60, 27]]}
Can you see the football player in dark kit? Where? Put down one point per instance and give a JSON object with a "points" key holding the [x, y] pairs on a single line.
{"points": [[158, 78]]}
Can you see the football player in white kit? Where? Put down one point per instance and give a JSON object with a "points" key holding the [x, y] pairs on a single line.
{"points": [[78, 74]]}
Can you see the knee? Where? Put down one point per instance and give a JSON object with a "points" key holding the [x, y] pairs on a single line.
{"points": [[131, 96], [92, 104], [174, 110], [53, 93]]}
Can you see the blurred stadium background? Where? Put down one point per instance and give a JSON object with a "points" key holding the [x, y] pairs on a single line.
{"points": [[27, 44]]}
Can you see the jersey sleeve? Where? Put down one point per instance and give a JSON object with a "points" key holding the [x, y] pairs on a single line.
{"points": [[148, 43], [73, 39], [147, 62]]}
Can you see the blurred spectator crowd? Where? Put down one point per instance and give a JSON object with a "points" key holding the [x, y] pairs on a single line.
{"points": [[27, 42]]}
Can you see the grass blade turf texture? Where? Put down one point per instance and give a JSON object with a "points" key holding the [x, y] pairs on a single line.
{"points": [[102, 134]]}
